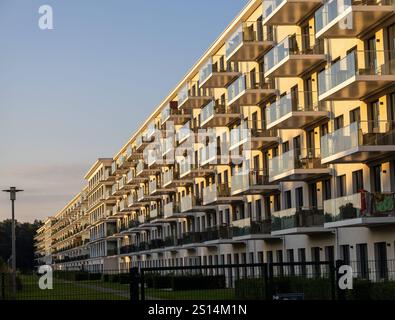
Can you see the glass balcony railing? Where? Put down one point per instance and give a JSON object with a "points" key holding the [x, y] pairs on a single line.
{"points": [[248, 226], [333, 9], [167, 145], [359, 205], [186, 165], [245, 82], [213, 192], [186, 203], [132, 199], [295, 159], [114, 188], [361, 133], [242, 181], [355, 63], [191, 90], [212, 109], [208, 153], [247, 32], [153, 186], [297, 218], [291, 45], [140, 194], [140, 167], [269, 6], [168, 177], [182, 94], [302, 101], [114, 167], [213, 65], [184, 132]]}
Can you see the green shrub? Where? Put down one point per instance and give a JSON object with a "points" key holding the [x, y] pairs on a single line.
{"points": [[361, 290], [105, 278], [201, 282], [383, 290], [95, 276], [250, 289]]}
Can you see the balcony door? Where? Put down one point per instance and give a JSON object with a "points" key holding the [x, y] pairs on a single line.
{"points": [[374, 117], [370, 55], [294, 98]]}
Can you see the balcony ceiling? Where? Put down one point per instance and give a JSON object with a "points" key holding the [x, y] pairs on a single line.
{"points": [[294, 65], [252, 97], [291, 12], [219, 79], [358, 87], [301, 174], [361, 154], [298, 119], [250, 50], [364, 17]]}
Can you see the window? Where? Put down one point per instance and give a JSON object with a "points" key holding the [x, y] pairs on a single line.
{"points": [[277, 203], [374, 116], [285, 147], [345, 253], [291, 259], [313, 195], [329, 253], [376, 178], [269, 257], [339, 122], [287, 199], [362, 260], [258, 210], [380, 255], [341, 186], [327, 192], [315, 257], [355, 115], [302, 258], [299, 197], [357, 181]]}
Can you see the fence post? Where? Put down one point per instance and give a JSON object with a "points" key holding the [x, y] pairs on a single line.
{"points": [[134, 284], [2, 286], [332, 279], [266, 289], [340, 293], [142, 285], [269, 267]]}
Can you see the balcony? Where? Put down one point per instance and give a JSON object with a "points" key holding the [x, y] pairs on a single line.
{"points": [[153, 156], [363, 209], [184, 132], [360, 141], [190, 170], [216, 74], [168, 149], [194, 97], [141, 142], [108, 175], [289, 59], [252, 182], [210, 155], [288, 12], [156, 189], [132, 156], [356, 76], [142, 170], [171, 114], [133, 201], [124, 206], [109, 197], [297, 165], [215, 115], [249, 90], [297, 221], [249, 42], [133, 181], [155, 213], [296, 111], [144, 196], [172, 210], [219, 194], [170, 180], [250, 229], [190, 203], [349, 18], [249, 136]]}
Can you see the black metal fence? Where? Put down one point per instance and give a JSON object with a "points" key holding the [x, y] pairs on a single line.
{"points": [[259, 281]]}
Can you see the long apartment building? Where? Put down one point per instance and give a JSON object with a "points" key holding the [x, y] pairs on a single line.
{"points": [[278, 145]]}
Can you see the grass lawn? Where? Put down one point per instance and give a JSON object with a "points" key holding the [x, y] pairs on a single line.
{"points": [[67, 290]]}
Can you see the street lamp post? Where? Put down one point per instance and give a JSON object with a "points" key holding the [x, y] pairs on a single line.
{"points": [[13, 191]]}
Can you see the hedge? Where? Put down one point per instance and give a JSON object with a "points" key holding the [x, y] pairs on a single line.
{"points": [[250, 289], [77, 275], [185, 282], [367, 290]]}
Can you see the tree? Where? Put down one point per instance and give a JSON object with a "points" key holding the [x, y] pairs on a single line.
{"points": [[25, 233]]}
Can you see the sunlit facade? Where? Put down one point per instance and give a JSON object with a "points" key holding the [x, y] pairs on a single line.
{"points": [[278, 145]]}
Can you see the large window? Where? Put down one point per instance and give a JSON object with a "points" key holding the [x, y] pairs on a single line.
{"points": [[357, 181]]}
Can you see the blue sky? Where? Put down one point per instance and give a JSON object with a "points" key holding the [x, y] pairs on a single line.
{"points": [[78, 92]]}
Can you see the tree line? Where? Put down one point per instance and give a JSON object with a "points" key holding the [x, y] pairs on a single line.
{"points": [[25, 233]]}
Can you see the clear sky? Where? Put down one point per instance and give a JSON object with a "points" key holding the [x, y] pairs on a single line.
{"points": [[78, 92]]}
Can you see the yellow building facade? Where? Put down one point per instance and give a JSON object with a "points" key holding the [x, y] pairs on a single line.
{"points": [[278, 145]]}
